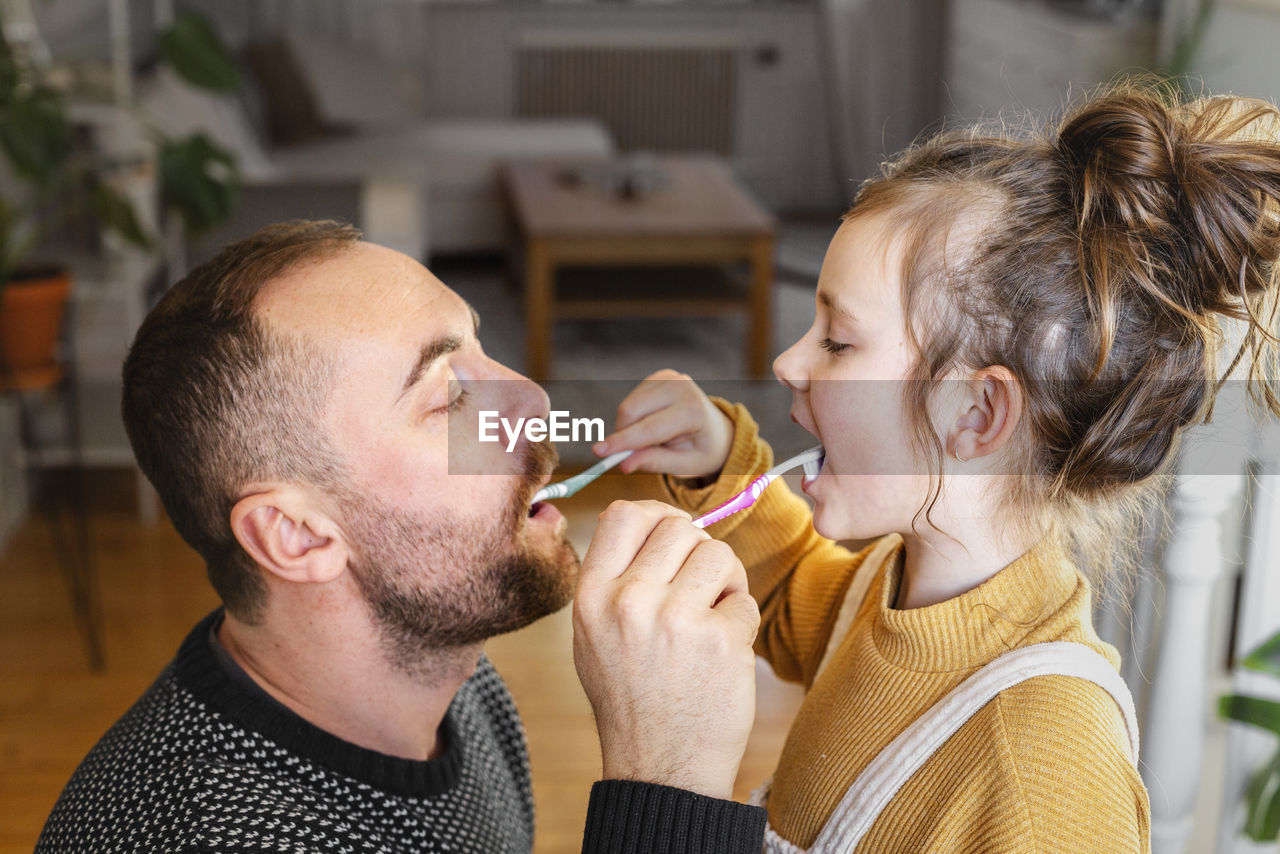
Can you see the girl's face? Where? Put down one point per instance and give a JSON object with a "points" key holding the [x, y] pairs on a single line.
{"points": [[847, 377]]}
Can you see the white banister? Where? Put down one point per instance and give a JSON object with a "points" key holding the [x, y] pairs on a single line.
{"points": [[1173, 739], [1258, 618]]}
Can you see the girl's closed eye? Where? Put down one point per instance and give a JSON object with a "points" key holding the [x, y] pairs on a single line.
{"points": [[833, 346]]}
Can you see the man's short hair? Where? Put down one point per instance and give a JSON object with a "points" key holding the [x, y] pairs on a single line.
{"points": [[214, 399]]}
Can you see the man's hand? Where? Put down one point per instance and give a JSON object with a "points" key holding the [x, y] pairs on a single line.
{"points": [[662, 633], [672, 426]]}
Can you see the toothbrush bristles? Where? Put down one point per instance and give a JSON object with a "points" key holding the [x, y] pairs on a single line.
{"points": [[571, 485]]}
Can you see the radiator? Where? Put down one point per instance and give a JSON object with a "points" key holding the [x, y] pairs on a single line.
{"points": [[654, 93]]}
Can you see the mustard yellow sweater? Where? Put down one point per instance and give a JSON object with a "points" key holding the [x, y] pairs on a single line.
{"points": [[1043, 767]]}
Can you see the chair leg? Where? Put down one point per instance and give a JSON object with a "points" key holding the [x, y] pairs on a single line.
{"points": [[69, 525], [85, 593]]}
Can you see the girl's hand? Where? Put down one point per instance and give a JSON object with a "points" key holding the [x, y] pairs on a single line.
{"points": [[672, 426]]}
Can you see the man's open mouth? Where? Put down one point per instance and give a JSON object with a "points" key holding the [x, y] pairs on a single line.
{"points": [[534, 506]]}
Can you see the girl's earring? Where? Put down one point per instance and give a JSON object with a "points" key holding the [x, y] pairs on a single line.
{"points": [[959, 459]]}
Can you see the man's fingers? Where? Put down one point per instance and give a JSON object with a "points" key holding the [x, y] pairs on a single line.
{"points": [[624, 527], [711, 572], [743, 615], [666, 550]]}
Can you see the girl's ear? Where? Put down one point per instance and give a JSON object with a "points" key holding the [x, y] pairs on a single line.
{"points": [[994, 407], [282, 530]]}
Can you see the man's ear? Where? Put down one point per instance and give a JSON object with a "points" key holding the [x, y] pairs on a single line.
{"points": [[994, 401], [282, 530]]}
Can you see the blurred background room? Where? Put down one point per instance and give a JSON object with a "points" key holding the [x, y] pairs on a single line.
{"points": [[617, 186]]}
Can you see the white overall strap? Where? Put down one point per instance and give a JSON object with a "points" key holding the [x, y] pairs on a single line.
{"points": [[866, 572], [871, 566], [902, 757]]}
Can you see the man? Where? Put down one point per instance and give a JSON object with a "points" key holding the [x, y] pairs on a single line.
{"points": [[290, 400]]}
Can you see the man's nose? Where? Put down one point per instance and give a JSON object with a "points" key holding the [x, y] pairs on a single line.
{"points": [[520, 397]]}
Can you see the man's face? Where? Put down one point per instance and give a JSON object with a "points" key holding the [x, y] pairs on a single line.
{"points": [[442, 560]]}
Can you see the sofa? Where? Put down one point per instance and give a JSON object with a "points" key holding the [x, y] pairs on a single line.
{"points": [[352, 122]]}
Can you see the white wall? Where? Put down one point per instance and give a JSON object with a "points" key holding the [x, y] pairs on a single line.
{"points": [[1240, 53], [781, 133], [464, 53]]}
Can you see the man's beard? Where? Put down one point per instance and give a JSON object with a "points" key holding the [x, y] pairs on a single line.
{"points": [[434, 584]]}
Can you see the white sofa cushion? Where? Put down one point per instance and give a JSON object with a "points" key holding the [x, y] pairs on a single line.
{"points": [[453, 163]]}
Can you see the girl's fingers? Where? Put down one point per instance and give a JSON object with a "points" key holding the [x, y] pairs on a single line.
{"points": [[658, 460], [665, 389], [644, 399], [658, 428], [654, 392]]}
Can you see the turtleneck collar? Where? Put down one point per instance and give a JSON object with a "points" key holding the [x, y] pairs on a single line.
{"points": [[971, 629]]}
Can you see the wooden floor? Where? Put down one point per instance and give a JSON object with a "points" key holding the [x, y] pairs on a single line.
{"points": [[153, 589]]}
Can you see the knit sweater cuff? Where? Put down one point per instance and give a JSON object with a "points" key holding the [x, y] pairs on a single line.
{"points": [[749, 457], [627, 817]]}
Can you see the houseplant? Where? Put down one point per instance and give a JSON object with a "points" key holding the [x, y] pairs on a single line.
{"points": [[1262, 814], [41, 167], [45, 178]]}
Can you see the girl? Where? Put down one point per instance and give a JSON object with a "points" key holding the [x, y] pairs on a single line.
{"points": [[1010, 334]]}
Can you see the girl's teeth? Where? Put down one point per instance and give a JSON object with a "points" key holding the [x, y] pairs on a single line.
{"points": [[811, 469]]}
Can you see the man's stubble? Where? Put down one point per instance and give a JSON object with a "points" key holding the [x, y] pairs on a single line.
{"points": [[449, 581]]}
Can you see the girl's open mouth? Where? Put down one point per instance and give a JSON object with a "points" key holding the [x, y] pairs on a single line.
{"points": [[812, 467]]}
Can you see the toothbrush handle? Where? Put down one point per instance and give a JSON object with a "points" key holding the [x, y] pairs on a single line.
{"points": [[741, 501]]}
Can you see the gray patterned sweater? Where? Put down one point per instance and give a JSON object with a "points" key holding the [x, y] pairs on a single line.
{"points": [[203, 763]]}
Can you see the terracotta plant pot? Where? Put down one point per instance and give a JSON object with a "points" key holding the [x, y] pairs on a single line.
{"points": [[32, 305]]}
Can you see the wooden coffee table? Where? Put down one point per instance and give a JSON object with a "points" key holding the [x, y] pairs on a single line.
{"points": [[698, 215]]}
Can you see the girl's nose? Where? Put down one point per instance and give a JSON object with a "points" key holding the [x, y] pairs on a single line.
{"points": [[790, 370]]}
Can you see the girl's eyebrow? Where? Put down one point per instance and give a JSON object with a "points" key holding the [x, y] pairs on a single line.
{"points": [[838, 307]]}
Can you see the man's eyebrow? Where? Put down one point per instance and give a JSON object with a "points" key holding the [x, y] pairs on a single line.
{"points": [[836, 306], [430, 352]]}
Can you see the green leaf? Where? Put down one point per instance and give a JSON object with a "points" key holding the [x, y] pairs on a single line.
{"points": [[1262, 814], [1187, 42], [115, 212], [36, 134], [199, 179], [1251, 710], [1266, 658], [196, 51]]}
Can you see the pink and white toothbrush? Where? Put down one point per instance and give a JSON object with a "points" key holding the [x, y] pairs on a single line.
{"points": [[810, 459]]}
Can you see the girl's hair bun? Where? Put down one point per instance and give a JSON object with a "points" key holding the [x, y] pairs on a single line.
{"points": [[1187, 193]]}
